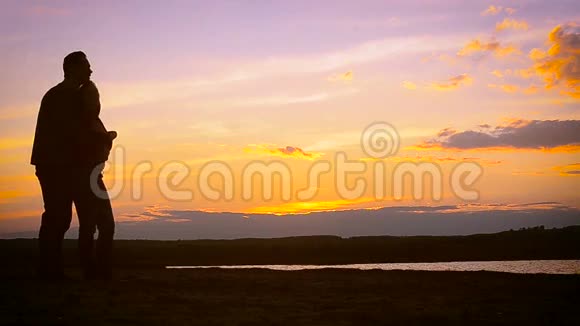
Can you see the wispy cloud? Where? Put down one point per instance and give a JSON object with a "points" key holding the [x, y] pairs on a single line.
{"points": [[477, 46], [497, 73], [496, 10], [511, 88], [277, 100], [568, 170], [150, 213], [366, 52], [453, 82], [492, 10], [133, 93], [498, 207], [508, 88], [286, 151], [409, 85], [532, 89], [509, 23], [343, 77]]}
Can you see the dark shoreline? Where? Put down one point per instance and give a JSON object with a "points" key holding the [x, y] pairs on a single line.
{"points": [[527, 244]]}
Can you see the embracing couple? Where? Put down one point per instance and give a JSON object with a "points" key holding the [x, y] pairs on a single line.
{"points": [[70, 147]]}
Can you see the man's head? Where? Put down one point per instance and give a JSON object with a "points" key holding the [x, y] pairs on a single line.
{"points": [[76, 67]]}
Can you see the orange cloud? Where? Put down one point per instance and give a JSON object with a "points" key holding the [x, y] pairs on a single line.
{"points": [[288, 151], [532, 89], [453, 82], [522, 73], [506, 87], [509, 23], [559, 66], [409, 85], [345, 77], [568, 170], [495, 47], [495, 10], [492, 11]]}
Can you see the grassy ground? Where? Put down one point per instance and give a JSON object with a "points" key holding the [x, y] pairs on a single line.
{"points": [[320, 297]]}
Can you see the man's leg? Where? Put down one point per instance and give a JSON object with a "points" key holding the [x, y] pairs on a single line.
{"points": [[56, 220]]}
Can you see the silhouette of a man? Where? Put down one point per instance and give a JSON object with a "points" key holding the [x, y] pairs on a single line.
{"points": [[70, 144]]}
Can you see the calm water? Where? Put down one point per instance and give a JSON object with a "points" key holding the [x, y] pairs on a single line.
{"points": [[518, 266]]}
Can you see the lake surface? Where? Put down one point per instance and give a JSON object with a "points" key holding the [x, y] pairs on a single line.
{"points": [[517, 266]]}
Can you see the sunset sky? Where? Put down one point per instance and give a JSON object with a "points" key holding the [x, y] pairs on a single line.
{"points": [[495, 83]]}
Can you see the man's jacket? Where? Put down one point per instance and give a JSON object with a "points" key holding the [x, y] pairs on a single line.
{"points": [[63, 136]]}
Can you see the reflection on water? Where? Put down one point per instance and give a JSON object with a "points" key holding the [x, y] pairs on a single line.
{"points": [[518, 266]]}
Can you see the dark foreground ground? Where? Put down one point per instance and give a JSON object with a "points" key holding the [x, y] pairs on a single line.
{"points": [[320, 297], [144, 293]]}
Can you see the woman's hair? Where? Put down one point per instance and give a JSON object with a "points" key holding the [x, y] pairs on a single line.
{"points": [[90, 98]]}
